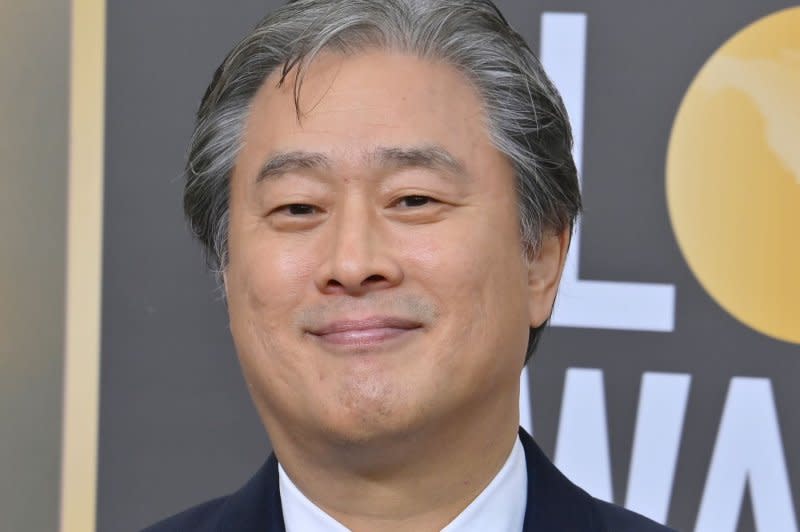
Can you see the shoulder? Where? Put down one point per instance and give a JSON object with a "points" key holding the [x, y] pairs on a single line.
{"points": [[201, 518], [617, 519], [255, 507], [555, 503]]}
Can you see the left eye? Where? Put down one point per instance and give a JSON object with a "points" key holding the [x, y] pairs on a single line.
{"points": [[414, 201]]}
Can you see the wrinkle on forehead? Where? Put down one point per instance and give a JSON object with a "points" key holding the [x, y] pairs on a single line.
{"points": [[428, 156]]}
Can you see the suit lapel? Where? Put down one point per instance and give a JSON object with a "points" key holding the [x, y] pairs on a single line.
{"points": [[554, 503], [256, 507]]}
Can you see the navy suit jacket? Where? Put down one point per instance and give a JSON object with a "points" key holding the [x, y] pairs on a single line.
{"points": [[554, 505]]}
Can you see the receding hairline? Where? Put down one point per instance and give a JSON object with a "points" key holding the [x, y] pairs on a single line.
{"points": [[293, 71]]}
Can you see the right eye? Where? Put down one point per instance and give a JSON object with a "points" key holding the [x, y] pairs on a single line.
{"points": [[297, 209]]}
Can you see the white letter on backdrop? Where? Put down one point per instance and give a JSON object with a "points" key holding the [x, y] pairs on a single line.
{"points": [[748, 451], [582, 442], [656, 440], [581, 303]]}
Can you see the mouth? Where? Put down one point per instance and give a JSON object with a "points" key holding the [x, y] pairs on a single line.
{"points": [[364, 333]]}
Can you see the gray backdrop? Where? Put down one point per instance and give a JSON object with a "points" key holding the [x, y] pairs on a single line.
{"points": [[176, 424], [34, 78]]}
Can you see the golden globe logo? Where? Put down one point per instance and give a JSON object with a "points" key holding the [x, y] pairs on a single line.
{"points": [[733, 190], [733, 176]]}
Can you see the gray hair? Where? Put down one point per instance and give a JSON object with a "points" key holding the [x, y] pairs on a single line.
{"points": [[526, 119]]}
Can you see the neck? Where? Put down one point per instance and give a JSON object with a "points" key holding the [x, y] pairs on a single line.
{"points": [[419, 481]]}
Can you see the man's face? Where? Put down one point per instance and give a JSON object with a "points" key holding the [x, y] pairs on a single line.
{"points": [[376, 282]]}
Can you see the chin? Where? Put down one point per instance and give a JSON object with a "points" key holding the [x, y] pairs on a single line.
{"points": [[370, 422]]}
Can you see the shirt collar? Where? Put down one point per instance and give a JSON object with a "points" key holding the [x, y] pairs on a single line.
{"points": [[299, 513], [500, 506]]}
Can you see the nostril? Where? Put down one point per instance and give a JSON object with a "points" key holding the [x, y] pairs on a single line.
{"points": [[334, 285]]}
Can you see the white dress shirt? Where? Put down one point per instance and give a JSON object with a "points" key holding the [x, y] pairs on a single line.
{"points": [[499, 507]]}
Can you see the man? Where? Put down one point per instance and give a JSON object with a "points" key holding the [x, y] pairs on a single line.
{"points": [[387, 192]]}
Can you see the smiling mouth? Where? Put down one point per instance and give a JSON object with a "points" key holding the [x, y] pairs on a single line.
{"points": [[364, 333]]}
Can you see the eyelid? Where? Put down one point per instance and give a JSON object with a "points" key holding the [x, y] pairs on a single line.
{"points": [[285, 208], [429, 199]]}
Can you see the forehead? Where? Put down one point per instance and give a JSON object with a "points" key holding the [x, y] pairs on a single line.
{"points": [[351, 106]]}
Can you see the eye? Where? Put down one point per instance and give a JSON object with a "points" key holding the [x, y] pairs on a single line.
{"points": [[414, 201], [297, 209]]}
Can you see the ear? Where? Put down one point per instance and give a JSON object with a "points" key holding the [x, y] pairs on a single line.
{"points": [[544, 273]]}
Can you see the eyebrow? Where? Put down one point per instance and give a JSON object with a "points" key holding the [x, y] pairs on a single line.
{"points": [[431, 157], [285, 162]]}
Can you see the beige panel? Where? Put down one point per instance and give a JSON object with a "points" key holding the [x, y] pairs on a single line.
{"points": [[84, 270], [34, 38]]}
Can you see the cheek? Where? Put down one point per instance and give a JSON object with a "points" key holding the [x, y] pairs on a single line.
{"points": [[267, 285], [471, 261], [480, 285], [274, 278]]}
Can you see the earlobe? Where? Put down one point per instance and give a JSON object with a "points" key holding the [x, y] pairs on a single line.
{"points": [[544, 273]]}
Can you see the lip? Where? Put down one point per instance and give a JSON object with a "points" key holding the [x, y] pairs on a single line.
{"points": [[364, 332]]}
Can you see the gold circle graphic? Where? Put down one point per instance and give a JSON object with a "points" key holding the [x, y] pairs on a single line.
{"points": [[733, 176]]}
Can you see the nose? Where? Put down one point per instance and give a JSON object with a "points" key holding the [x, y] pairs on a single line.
{"points": [[359, 257]]}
